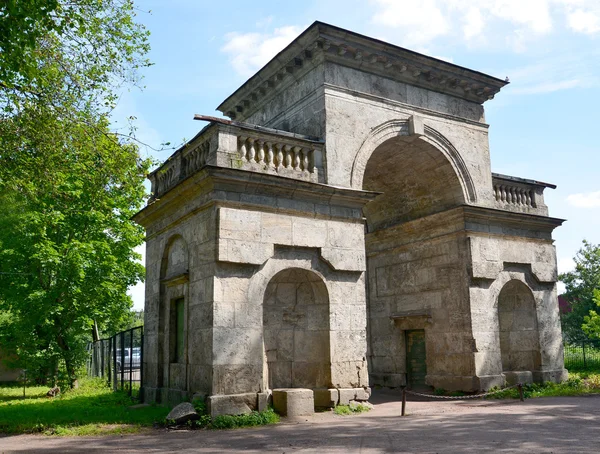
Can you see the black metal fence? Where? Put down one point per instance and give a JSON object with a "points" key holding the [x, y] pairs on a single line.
{"points": [[583, 356], [118, 359]]}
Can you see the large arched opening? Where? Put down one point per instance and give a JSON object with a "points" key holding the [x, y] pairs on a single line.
{"points": [[415, 179], [518, 328], [418, 294], [296, 330]]}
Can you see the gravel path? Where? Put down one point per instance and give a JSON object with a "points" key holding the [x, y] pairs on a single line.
{"points": [[544, 425]]}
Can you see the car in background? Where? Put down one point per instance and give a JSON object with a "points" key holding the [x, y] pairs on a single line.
{"points": [[129, 357]]}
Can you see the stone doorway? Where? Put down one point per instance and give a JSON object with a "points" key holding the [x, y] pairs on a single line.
{"points": [[416, 358], [296, 331]]}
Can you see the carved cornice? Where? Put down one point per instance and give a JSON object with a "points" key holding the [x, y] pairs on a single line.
{"points": [[323, 42]]}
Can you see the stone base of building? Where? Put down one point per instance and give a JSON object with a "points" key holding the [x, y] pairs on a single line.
{"points": [[388, 380], [554, 376], [518, 376], [238, 404], [165, 396]]}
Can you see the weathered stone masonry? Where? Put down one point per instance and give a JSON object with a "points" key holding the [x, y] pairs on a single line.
{"points": [[343, 230]]}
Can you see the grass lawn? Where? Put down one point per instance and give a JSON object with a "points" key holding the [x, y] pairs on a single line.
{"points": [[578, 384], [89, 410]]}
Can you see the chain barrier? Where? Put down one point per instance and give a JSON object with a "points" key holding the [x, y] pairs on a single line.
{"points": [[473, 396]]}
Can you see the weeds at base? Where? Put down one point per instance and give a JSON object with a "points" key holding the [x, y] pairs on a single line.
{"points": [[345, 410]]}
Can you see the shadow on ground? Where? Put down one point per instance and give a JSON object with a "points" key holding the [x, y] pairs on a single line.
{"points": [[561, 424]]}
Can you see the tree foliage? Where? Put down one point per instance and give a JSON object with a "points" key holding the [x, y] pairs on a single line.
{"points": [[68, 184], [582, 292]]}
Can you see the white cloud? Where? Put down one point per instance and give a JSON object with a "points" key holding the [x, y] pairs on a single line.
{"points": [[420, 21], [581, 21], [585, 200], [496, 22], [474, 24], [248, 52]]}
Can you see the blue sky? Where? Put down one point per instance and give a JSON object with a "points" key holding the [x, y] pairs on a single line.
{"points": [[542, 125]]}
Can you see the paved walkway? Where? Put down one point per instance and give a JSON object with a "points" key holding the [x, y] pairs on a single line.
{"points": [[545, 425]]}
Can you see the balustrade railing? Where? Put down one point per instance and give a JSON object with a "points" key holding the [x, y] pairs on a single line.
{"points": [[519, 194], [277, 155], [242, 147], [513, 195]]}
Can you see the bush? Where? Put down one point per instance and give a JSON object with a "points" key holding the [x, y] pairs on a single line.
{"points": [[253, 419]]}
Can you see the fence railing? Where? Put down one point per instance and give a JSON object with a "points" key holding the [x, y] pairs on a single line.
{"points": [[119, 359], [582, 356]]}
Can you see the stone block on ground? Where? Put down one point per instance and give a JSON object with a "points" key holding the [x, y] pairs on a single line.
{"points": [[363, 394], [294, 401], [182, 413], [346, 395], [326, 398], [232, 404]]}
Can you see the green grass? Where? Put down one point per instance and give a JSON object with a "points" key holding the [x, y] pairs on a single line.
{"points": [[253, 419], [578, 384], [344, 410], [89, 410]]}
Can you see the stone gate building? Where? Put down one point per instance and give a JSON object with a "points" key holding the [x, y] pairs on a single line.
{"points": [[344, 230]]}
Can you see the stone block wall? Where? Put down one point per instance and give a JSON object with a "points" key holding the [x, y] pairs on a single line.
{"points": [[498, 261], [179, 264], [253, 248], [421, 284]]}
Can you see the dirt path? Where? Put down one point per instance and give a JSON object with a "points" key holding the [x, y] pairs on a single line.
{"points": [[546, 425]]}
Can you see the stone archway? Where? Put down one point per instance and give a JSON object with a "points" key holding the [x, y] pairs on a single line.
{"points": [[296, 330], [416, 267], [410, 130], [518, 328]]}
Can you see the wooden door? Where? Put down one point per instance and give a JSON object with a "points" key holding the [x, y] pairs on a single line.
{"points": [[416, 361]]}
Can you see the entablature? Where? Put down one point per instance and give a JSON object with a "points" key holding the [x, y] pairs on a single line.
{"points": [[323, 42]]}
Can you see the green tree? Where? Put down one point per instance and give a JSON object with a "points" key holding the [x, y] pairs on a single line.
{"points": [[68, 184], [592, 322], [66, 245], [582, 289]]}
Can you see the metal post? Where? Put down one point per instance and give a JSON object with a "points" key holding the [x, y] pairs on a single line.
{"points": [[520, 386], [108, 362], [114, 356], [140, 392], [24, 381], [584, 361], [102, 358], [130, 359], [122, 342], [403, 401]]}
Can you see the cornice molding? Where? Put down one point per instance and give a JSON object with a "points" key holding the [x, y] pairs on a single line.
{"points": [[323, 42]]}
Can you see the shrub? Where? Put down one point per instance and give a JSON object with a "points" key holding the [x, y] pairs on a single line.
{"points": [[345, 410]]}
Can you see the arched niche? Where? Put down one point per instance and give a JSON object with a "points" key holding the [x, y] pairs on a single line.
{"points": [[296, 330], [173, 315], [518, 328]]}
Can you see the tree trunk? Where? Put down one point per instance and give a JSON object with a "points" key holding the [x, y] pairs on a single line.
{"points": [[71, 374]]}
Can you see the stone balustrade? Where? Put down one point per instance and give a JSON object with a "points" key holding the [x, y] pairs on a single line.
{"points": [[289, 158], [519, 194], [237, 145], [512, 194]]}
